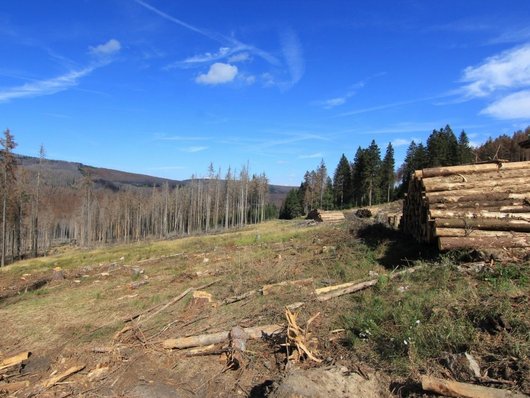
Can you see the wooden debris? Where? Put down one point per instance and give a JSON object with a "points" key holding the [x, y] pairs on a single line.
{"points": [[295, 306], [11, 388], [62, 376], [97, 373], [215, 338], [470, 206], [136, 285], [161, 307], [200, 298], [329, 292], [451, 388], [268, 289], [326, 216], [14, 360], [299, 338], [235, 299], [207, 350]]}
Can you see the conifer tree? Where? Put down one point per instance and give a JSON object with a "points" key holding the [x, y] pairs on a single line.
{"points": [[342, 183], [387, 173], [465, 152]]}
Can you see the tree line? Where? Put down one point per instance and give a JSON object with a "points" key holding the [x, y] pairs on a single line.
{"points": [[369, 179], [37, 215]]}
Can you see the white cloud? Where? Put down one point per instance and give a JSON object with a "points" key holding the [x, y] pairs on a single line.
{"points": [[45, 87], [240, 57], [106, 49], [333, 102], [508, 70], [219, 73], [311, 156], [401, 142], [207, 57], [513, 106], [194, 149], [292, 53]]}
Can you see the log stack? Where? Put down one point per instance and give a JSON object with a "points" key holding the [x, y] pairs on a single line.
{"points": [[471, 206], [326, 216]]}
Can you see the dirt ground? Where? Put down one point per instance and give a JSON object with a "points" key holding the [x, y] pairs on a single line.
{"points": [[110, 319]]}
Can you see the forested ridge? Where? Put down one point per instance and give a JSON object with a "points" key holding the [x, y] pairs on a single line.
{"points": [[371, 178], [76, 205]]}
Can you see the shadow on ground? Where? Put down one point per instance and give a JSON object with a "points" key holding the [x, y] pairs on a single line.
{"points": [[398, 248]]}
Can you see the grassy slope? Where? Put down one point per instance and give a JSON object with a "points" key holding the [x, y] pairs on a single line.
{"points": [[406, 326]]}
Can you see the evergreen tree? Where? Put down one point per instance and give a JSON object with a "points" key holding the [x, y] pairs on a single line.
{"points": [[387, 174], [292, 206], [371, 175], [358, 172], [442, 148], [342, 183], [465, 152], [416, 158]]}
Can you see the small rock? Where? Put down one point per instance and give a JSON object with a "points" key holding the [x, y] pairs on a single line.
{"points": [[136, 285]]}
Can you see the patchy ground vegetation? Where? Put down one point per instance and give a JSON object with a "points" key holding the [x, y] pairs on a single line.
{"points": [[393, 332]]}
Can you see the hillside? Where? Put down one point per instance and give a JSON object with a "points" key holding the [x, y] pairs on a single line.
{"points": [[62, 173], [105, 322]]}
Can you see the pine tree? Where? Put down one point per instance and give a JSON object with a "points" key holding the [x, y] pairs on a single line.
{"points": [[358, 173], [465, 152], [387, 173], [371, 174], [292, 206], [342, 183]]}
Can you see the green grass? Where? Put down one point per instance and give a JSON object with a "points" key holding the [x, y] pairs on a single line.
{"points": [[439, 310]]}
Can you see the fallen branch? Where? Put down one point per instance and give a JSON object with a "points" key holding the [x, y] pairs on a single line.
{"points": [[215, 338], [352, 287], [267, 289], [235, 299], [62, 376], [456, 389], [164, 306]]}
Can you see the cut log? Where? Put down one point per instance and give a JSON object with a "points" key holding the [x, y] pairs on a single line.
{"points": [[431, 186], [478, 214], [487, 196], [62, 376], [486, 242], [476, 177], [483, 204], [450, 388], [474, 168], [474, 233], [484, 224], [215, 338], [352, 287], [14, 360], [268, 289]]}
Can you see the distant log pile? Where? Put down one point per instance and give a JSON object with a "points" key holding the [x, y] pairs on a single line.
{"points": [[326, 216], [472, 206]]}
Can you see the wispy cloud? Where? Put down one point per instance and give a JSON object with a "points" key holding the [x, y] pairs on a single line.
{"points": [[240, 57], [512, 35], [184, 138], [292, 52], [507, 70], [403, 141], [231, 43], [63, 82], [104, 50], [503, 78], [194, 149], [352, 90], [311, 156], [45, 87], [512, 106]]}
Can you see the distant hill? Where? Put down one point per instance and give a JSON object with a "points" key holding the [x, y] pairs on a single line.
{"points": [[69, 174]]}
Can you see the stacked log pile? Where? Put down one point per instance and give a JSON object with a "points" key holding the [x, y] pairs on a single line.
{"points": [[471, 206], [326, 216]]}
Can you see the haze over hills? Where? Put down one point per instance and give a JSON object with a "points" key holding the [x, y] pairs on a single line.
{"points": [[64, 173]]}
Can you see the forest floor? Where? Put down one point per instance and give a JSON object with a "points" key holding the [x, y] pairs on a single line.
{"points": [[380, 340]]}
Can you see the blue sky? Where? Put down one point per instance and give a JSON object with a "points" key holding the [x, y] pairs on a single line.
{"points": [[165, 87]]}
